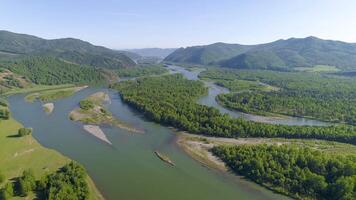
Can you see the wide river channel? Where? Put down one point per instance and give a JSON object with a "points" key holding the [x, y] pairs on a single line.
{"points": [[128, 169]]}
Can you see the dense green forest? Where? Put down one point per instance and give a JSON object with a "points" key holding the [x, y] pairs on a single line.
{"points": [[68, 49], [206, 54], [172, 99], [67, 183], [298, 172], [278, 55], [301, 94], [52, 71], [142, 71]]}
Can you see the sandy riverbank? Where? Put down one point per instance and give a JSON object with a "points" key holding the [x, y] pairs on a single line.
{"points": [[97, 132], [199, 147]]}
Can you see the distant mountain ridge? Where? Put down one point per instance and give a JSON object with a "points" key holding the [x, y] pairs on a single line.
{"points": [[281, 54], [68, 49], [153, 52]]}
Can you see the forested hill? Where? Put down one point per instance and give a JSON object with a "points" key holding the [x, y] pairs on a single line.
{"points": [[49, 71], [68, 49], [208, 54], [281, 54]]}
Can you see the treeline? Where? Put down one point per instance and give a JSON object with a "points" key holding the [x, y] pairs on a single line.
{"points": [[298, 104], [172, 99], [52, 71], [300, 94], [67, 183], [142, 70], [4, 111], [299, 172], [303, 81]]}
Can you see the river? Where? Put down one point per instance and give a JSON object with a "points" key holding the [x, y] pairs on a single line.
{"points": [[128, 169], [214, 90]]}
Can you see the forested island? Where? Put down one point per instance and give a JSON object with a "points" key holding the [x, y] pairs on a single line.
{"points": [[302, 94], [172, 99]]}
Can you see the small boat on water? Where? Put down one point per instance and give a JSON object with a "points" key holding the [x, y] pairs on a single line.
{"points": [[164, 158]]}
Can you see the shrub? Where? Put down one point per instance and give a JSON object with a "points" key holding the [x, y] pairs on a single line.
{"points": [[24, 131], [4, 114], [27, 182], [86, 104], [7, 192]]}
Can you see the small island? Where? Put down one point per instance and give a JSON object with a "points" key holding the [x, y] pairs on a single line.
{"points": [[46, 94], [48, 107], [92, 111], [164, 158]]}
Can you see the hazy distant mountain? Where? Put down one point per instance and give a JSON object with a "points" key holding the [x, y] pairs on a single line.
{"points": [[290, 53], [68, 49], [153, 52]]}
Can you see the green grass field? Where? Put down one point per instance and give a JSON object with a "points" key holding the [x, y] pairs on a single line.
{"points": [[51, 94], [318, 68], [238, 85], [20, 153], [36, 88]]}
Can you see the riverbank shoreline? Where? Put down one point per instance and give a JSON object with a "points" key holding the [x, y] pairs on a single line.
{"points": [[199, 150]]}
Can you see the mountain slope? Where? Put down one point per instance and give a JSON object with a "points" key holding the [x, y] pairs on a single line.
{"points": [[53, 71], [69, 49], [281, 54], [208, 54], [291, 53]]}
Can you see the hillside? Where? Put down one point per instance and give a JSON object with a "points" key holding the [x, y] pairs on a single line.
{"points": [[69, 49], [51, 71], [281, 54], [153, 52], [207, 54]]}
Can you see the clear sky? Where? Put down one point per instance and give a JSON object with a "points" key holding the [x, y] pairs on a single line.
{"points": [[175, 23]]}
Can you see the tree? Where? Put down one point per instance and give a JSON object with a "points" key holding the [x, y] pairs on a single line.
{"points": [[7, 192], [4, 114], [86, 104], [67, 184], [27, 182], [343, 188], [24, 131]]}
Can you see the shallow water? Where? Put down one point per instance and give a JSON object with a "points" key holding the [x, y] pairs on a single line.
{"points": [[128, 169]]}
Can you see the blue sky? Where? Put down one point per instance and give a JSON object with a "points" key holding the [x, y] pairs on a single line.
{"points": [[175, 23]]}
